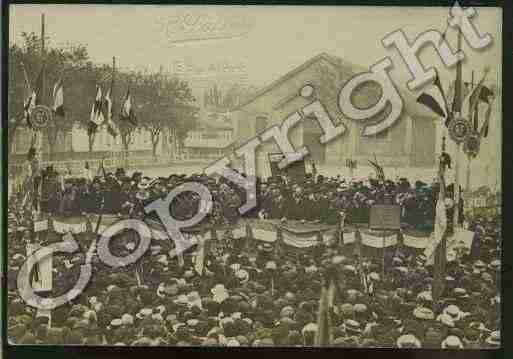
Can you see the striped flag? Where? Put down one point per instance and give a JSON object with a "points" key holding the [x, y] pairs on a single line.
{"points": [[486, 122], [39, 85], [440, 225], [28, 106], [477, 94], [483, 110], [111, 127], [97, 117], [436, 253], [127, 111], [58, 98], [30, 99], [434, 99]]}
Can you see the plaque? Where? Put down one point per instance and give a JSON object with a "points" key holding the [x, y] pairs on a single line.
{"points": [[385, 217]]}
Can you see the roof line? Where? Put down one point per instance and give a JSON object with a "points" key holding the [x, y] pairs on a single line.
{"points": [[288, 75]]}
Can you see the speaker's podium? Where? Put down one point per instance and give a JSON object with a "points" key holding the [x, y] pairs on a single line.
{"points": [[296, 170]]}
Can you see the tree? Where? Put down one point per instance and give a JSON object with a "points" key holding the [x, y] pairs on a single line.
{"points": [[58, 63], [219, 99], [165, 103]]}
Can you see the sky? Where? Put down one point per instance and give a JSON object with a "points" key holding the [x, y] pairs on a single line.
{"points": [[265, 43]]}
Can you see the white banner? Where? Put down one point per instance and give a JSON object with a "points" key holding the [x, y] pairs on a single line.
{"points": [[40, 226], [415, 242], [299, 241], [349, 237], [376, 241]]}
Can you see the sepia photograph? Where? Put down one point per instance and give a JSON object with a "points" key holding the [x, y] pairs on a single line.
{"points": [[254, 176]]}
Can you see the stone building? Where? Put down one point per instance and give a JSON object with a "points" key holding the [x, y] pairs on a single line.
{"points": [[409, 142]]}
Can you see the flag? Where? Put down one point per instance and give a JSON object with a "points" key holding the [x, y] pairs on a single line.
{"points": [[31, 154], [486, 120], [108, 106], [440, 225], [200, 256], [127, 111], [96, 110], [58, 98], [451, 91], [39, 85], [378, 169], [28, 106], [482, 99], [111, 127], [473, 98], [101, 170], [30, 99], [323, 335], [87, 173], [436, 252], [434, 99]]}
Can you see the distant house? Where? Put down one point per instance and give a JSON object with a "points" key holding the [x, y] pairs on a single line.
{"points": [[74, 144], [211, 139], [23, 138], [411, 140]]}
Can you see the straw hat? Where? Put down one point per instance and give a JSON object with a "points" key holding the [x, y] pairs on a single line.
{"points": [[494, 339], [423, 313], [408, 341], [453, 311], [452, 342]]}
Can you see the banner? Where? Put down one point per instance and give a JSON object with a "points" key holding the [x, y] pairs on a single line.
{"points": [[378, 239], [264, 230], [415, 241], [303, 240], [296, 170], [294, 233]]}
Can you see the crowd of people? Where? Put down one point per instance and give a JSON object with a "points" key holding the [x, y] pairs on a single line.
{"points": [[320, 198], [253, 294]]}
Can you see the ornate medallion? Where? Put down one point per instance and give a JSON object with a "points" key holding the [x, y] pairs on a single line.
{"points": [[459, 129], [41, 116]]}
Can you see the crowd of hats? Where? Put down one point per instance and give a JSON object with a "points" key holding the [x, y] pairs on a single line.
{"points": [[264, 297]]}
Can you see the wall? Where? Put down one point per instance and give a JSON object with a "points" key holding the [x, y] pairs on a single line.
{"points": [[104, 142]]}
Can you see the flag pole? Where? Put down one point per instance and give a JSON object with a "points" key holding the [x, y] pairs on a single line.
{"points": [[38, 136], [456, 108], [469, 158], [440, 251]]}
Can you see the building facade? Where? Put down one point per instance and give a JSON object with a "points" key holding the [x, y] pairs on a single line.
{"points": [[74, 144], [409, 142], [211, 139]]}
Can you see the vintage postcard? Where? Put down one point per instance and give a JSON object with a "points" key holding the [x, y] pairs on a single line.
{"points": [[280, 176]]}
